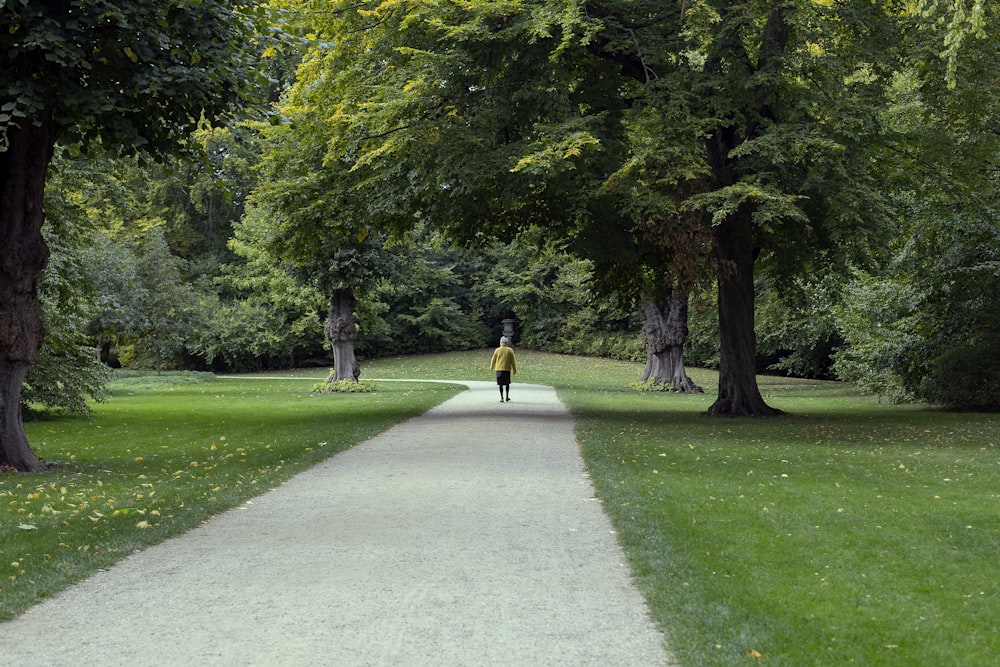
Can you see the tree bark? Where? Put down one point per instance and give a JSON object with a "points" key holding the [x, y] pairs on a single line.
{"points": [[664, 333], [739, 395], [23, 255], [341, 331]]}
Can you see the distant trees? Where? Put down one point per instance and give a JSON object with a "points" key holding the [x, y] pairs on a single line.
{"points": [[924, 324], [67, 371]]}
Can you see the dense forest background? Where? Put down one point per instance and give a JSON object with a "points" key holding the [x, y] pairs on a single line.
{"points": [[171, 264]]}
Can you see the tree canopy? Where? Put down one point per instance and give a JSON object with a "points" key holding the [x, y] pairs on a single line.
{"points": [[615, 123], [122, 75]]}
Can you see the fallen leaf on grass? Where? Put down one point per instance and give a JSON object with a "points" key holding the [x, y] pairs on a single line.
{"points": [[755, 654]]}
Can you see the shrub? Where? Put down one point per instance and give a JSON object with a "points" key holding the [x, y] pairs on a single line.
{"points": [[650, 385], [344, 387], [965, 377]]}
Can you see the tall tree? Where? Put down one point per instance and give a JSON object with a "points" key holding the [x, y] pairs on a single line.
{"points": [[133, 76], [319, 226], [168, 313], [491, 116]]}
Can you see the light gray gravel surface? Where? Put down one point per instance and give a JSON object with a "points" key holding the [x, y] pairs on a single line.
{"points": [[467, 536]]}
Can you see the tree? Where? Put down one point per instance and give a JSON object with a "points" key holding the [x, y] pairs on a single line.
{"points": [[924, 323], [756, 120], [119, 292], [130, 76], [551, 295], [664, 332], [428, 302], [262, 316], [168, 312], [319, 226], [67, 371]]}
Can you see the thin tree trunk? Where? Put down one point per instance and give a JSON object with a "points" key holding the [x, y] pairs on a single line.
{"points": [[664, 333], [739, 395], [23, 255], [341, 331]]}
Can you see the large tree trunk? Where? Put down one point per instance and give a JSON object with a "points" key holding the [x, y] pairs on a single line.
{"points": [[342, 332], [664, 333], [739, 395], [23, 255]]}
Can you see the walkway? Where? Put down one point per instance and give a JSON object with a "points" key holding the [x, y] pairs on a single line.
{"points": [[467, 536]]}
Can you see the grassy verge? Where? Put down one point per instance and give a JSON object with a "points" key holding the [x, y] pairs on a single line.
{"points": [[164, 454], [846, 532]]}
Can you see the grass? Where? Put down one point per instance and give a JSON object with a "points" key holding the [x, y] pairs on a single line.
{"points": [[846, 532], [164, 454]]}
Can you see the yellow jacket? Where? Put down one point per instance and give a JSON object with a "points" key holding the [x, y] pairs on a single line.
{"points": [[503, 360]]}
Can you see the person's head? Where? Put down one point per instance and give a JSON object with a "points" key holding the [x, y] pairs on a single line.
{"points": [[504, 340]]}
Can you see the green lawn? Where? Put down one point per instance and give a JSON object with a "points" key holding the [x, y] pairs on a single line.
{"points": [[846, 532]]}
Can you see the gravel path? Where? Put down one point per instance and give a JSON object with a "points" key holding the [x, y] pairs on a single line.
{"points": [[467, 536]]}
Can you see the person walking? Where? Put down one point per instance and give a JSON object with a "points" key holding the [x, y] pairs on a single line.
{"points": [[504, 364]]}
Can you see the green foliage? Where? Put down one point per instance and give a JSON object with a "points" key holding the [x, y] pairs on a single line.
{"points": [[964, 18], [113, 270], [550, 293], [915, 325], [263, 317], [592, 342], [318, 228], [67, 372], [796, 327], [169, 313], [965, 376], [344, 386], [427, 306], [433, 117], [881, 326], [433, 298], [650, 385], [127, 75], [702, 348], [198, 201], [249, 335]]}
